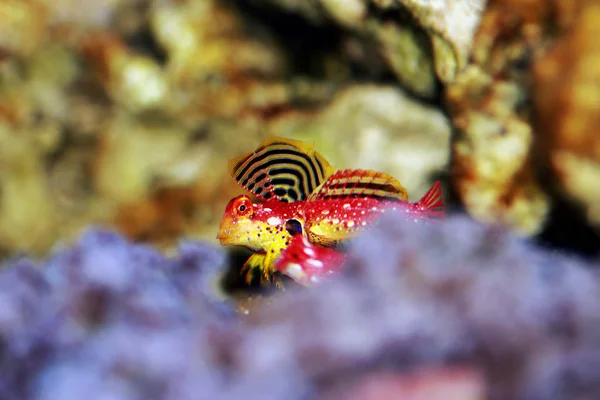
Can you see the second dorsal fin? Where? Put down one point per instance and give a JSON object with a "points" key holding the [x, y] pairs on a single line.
{"points": [[286, 169], [360, 183]]}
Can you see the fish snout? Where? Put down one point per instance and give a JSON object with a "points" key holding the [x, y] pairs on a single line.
{"points": [[223, 236], [225, 231]]}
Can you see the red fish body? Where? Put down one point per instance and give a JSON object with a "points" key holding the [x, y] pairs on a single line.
{"points": [[308, 264], [304, 197]]}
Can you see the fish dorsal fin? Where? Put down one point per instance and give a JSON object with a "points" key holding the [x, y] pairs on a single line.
{"points": [[360, 183], [285, 169]]}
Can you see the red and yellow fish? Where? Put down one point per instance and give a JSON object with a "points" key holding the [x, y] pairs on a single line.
{"points": [[303, 195]]}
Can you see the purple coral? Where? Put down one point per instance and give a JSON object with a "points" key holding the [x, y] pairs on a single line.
{"points": [[109, 319], [456, 292]]}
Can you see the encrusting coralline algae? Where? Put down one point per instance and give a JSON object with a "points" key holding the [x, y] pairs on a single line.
{"points": [[454, 305]]}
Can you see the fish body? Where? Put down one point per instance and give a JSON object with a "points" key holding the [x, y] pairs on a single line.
{"points": [[264, 227], [308, 264], [303, 195]]}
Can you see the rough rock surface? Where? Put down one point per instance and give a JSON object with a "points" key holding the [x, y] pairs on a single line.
{"points": [[567, 96], [422, 41], [380, 128], [124, 113], [525, 111]]}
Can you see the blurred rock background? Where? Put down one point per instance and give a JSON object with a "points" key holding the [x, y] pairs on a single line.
{"points": [[123, 113]]}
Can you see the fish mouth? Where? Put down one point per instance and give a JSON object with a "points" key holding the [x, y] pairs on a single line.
{"points": [[223, 237], [225, 231]]}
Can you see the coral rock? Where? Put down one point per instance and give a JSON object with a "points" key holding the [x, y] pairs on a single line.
{"points": [[494, 167], [421, 41], [567, 93]]}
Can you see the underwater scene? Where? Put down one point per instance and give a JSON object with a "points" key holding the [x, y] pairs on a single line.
{"points": [[300, 199]]}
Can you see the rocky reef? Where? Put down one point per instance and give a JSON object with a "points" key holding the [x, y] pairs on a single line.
{"points": [[521, 110], [124, 113]]}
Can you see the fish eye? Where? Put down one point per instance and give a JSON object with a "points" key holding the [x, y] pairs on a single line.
{"points": [[243, 207]]}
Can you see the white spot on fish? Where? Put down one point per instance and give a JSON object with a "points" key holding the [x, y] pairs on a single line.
{"points": [[362, 213], [274, 221], [364, 223], [346, 205], [295, 271], [350, 224], [266, 209], [315, 263], [325, 212], [335, 221], [309, 252]]}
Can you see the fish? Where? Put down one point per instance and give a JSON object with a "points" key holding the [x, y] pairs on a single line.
{"points": [[308, 264], [302, 194]]}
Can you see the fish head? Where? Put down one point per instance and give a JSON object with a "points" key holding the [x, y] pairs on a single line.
{"points": [[238, 225]]}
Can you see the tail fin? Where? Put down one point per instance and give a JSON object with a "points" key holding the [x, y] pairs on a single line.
{"points": [[432, 201]]}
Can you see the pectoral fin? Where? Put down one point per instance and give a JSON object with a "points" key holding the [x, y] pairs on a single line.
{"points": [[254, 262]]}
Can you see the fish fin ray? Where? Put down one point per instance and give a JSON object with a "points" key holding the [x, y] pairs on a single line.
{"points": [[432, 201], [283, 169], [254, 262], [360, 183]]}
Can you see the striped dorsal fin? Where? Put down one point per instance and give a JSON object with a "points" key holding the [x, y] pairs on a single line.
{"points": [[286, 169], [360, 183]]}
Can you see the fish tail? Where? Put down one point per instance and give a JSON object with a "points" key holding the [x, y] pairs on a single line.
{"points": [[432, 201]]}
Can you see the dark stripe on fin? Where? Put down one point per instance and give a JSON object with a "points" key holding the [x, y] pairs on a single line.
{"points": [[287, 169], [360, 183]]}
